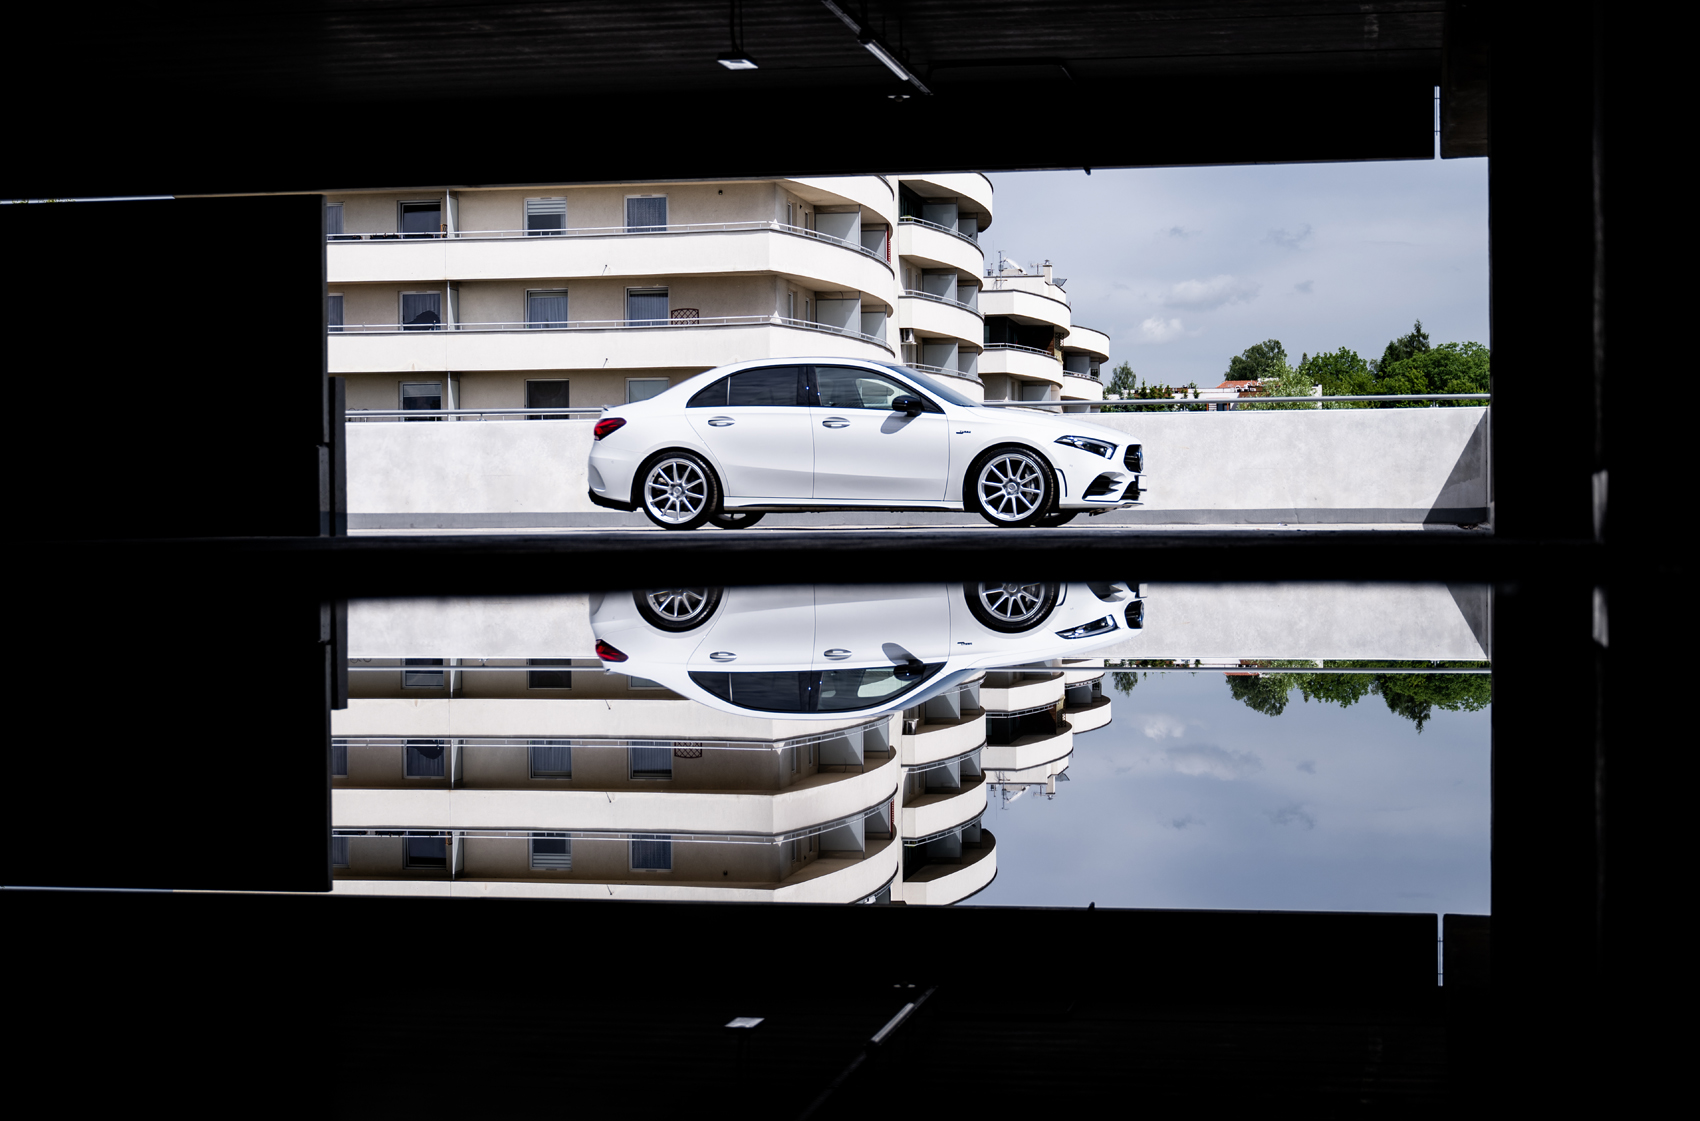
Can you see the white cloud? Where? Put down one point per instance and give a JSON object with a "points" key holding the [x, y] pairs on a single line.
{"points": [[1159, 726], [1159, 330], [1206, 295], [1214, 762]]}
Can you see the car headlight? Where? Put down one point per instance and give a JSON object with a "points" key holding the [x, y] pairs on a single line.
{"points": [[1089, 444]]}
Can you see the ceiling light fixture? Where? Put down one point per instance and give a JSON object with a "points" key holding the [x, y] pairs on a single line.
{"points": [[737, 58], [879, 50]]}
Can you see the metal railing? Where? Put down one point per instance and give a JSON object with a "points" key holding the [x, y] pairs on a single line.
{"points": [[943, 371], [618, 231], [367, 415], [1023, 349], [1067, 373], [937, 299], [907, 221], [609, 325]]}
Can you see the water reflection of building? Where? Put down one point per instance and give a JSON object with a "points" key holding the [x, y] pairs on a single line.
{"points": [[562, 781]]}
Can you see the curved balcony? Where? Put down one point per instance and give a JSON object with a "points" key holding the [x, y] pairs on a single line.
{"points": [[1021, 362], [521, 717], [874, 193], [933, 246], [1089, 718], [1001, 762], [970, 185], [1028, 306], [934, 315], [931, 742], [715, 249], [939, 885], [824, 880], [1093, 342], [943, 810], [594, 345], [1074, 673], [1081, 387], [1032, 693]]}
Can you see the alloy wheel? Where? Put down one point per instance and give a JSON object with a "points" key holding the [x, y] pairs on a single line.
{"points": [[676, 491], [677, 609], [1011, 488]]}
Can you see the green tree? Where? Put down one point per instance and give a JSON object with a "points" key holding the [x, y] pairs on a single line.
{"points": [[1447, 368], [1411, 696], [1122, 387], [1402, 348], [1265, 359], [1265, 693], [1341, 374]]}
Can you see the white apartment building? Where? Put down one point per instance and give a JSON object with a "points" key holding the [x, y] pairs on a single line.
{"points": [[552, 778], [589, 296]]}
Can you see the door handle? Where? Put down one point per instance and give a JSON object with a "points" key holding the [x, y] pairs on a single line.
{"points": [[837, 653], [719, 421], [830, 422]]}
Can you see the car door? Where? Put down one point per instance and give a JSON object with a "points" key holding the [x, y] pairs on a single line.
{"points": [[873, 644], [756, 425], [757, 654], [864, 449]]}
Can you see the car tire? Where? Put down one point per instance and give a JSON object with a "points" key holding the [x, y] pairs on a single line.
{"points": [[677, 490], [1013, 607], [736, 519], [676, 609], [1012, 487]]}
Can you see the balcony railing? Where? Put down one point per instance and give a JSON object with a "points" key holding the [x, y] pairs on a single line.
{"points": [[611, 325], [944, 371], [937, 299], [1024, 350], [907, 221], [620, 231], [1082, 377]]}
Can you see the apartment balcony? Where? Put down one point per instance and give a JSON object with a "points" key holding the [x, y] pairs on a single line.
{"points": [[711, 249], [971, 186], [939, 811], [1081, 387], [593, 345], [930, 742], [935, 246], [875, 194], [545, 717], [828, 879], [1001, 762], [1001, 694], [1024, 362], [938, 885], [1022, 304], [1092, 342], [928, 314], [1089, 717], [969, 385]]}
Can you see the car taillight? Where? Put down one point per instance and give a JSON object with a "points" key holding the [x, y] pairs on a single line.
{"points": [[608, 425], [604, 651]]}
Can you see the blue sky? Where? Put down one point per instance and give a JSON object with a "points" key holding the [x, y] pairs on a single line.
{"points": [[1184, 267], [1190, 799]]}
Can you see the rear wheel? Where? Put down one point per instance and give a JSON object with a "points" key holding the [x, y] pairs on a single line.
{"points": [[1013, 487], [676, 609], [678, 491], [735, 519], [1011, 607]]}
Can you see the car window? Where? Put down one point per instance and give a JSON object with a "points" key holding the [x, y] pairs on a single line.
{"points": [[809, 691], [710, 396], [936, 387], [770, 385], [845, 387]]}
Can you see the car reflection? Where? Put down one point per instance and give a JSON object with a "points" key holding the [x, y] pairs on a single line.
{"points": [[827, 652]]}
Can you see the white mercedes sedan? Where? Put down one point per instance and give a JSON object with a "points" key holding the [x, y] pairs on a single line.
{"points": [[804, 434]]}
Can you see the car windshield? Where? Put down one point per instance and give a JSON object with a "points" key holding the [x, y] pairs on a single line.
{"points": [[950, 395], [838, 690]]}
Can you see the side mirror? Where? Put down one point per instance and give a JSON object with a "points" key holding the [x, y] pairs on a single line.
{"points": [[913, 406]]}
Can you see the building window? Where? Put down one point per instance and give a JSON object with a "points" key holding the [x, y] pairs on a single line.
{"points": [[646, 214], [422, 219], [550, 394], [427, 851], [651, 762], [339, 758], [646, 307], [548, 679], [546, 307], [652, 852], [551, 759], [790, 305], [339, 852], [333, 311], [333, 219], [546, 217], [421, 311], [425, 758], [425, 396], [551, 852], [642, 389], [419, 678]]}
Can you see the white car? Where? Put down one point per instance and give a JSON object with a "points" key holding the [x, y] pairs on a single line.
{"points": [[832, 652], [753, 438]]}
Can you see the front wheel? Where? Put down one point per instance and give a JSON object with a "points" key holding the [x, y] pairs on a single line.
{"points": [[678, 491], [736, 519], [1013, 487]]}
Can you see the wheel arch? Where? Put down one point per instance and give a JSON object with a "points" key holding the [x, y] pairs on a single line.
{"points": [[648, 461], [970, 502]]}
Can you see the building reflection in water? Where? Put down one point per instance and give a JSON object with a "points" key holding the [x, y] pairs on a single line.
{"points": [[797, 744]]}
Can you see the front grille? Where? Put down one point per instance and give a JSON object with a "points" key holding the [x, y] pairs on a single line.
{"points": [[1134, 458]]}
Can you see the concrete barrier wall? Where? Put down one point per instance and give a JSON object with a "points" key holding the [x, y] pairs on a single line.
{"points": [[1204, 621], [1298, 467]]}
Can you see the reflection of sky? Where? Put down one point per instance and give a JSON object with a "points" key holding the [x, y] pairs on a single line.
{"points": [[1190, 799]]}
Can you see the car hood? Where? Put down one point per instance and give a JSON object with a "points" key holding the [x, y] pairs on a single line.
{"points": [[1060, 425]]}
